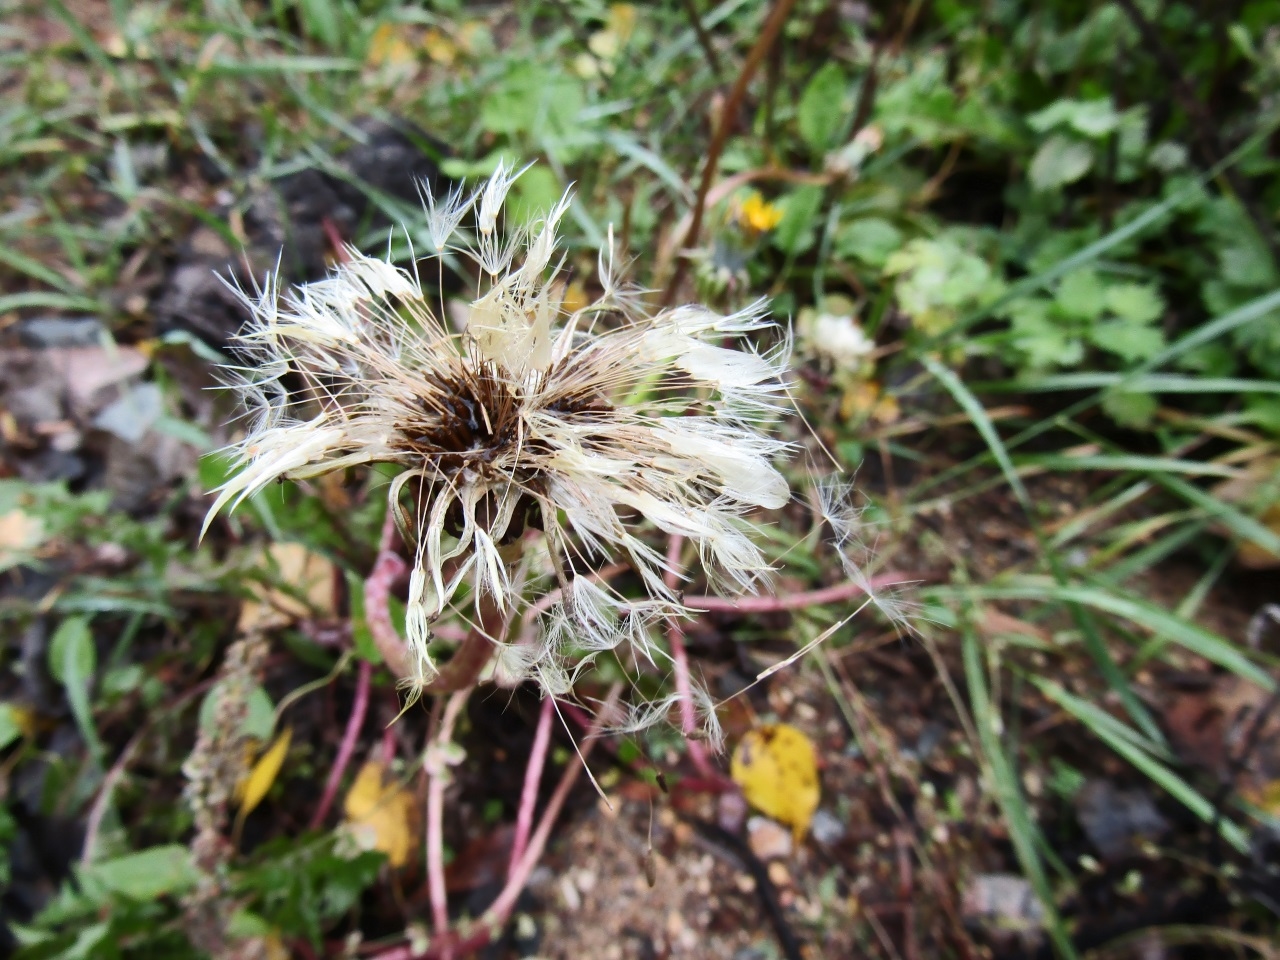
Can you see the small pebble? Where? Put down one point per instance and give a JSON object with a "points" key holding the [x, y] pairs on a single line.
{"points": [[768, 840], [731, 811], [827, 828], [779, 874], [675, 924], [569, 893]]}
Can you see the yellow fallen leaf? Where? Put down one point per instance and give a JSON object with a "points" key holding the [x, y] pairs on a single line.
{"points": [[1254, 491], [440, 47], [1253, 557], [25, 719], [860, 400], [886, 410], [575, 298], [388, 47], [382, 814], [777, 768], [253, 788], [1266, 797]]}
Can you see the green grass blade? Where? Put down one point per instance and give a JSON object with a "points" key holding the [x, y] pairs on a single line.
{"points": [[49, 300], [1094, 643], [1160, 622], [1128, 463], [1144, 383], [1000, 772], [1108, 729], [1241, 524]]}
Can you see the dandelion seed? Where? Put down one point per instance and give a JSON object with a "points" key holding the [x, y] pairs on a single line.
{"points": [[591, 427]]}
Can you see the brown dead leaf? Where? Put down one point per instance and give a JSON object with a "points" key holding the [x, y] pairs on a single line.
{"points": [[994, 623], [19, 533], [86, 370], [1223, 726], [306, 575]]}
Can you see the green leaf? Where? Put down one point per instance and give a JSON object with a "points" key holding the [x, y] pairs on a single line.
{"points": [[361, 637], [260, 713], [1127, 462], [1168, 157], [1136, 302], [1130, 341], [1093, 640], [534, 194], [10, 729], [72, 655], [1059, 161], [794, 233], [1241, 524], [872, 240], [89, 943], [1168, 627], [1002, 777], [536, 99], [321, 19], [1142, 383], [73, 659], [1044, 340], [145, 875], [822, 110], [1129, 408], [1092, 118], [1082, 295]]}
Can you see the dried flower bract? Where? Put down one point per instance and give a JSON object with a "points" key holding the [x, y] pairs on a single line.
{"points": [[587, 425]]}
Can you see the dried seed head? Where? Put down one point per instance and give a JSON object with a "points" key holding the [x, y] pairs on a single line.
{"points": [[588, 426]]}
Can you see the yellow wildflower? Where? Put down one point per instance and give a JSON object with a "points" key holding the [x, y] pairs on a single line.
{"points": [[757, 215]]}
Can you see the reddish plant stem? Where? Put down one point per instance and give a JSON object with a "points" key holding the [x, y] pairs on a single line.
{"points": [[359, 707], [457, 944], [532, 777], [796, 601], [334, 236], [437, 780], [468, 660], [377, 594], [680, 660]]}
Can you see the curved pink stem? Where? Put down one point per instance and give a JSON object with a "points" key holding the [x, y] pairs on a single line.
{"points": [[359, 707], [437, 779], [532, 777], [796, 601], [680, 661], [377, 595], [490, 924]]}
